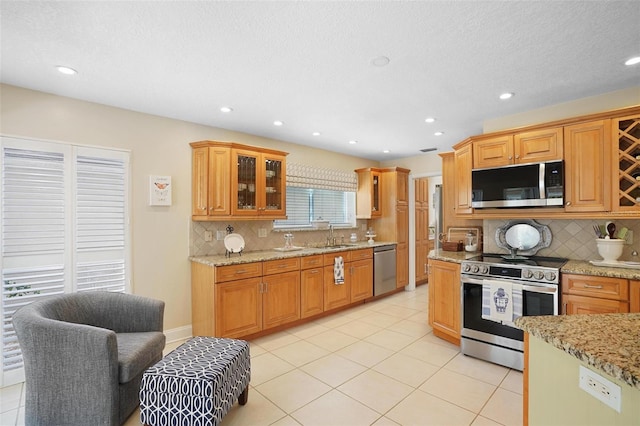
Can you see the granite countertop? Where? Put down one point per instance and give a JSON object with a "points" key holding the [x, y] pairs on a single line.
{"points": [[585, 268], [608, 342], [259, 256], [452, 256]]}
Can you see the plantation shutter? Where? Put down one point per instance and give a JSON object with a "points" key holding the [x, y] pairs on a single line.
{"points": [[64, 227]]}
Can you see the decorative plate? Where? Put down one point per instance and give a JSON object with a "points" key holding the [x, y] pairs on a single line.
{"points": [[527, 236], [234, 243]]}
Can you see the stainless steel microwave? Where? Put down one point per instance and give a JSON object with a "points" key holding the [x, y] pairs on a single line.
{"points": [[521, 185]]}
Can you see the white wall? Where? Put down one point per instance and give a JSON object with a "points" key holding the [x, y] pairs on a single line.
{"points": [[160, 235]]}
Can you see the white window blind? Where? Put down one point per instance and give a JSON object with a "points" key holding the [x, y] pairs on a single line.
{"points": [[64, 216]]}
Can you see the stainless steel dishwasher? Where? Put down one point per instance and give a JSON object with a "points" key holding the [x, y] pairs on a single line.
{"points": [[384, 269]]}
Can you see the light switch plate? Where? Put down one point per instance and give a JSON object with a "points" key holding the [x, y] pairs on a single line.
{"points": [[262, 232], [208, 236], [220, 235]]}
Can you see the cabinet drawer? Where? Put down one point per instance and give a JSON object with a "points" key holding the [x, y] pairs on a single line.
{"points": [[591, 305], [281, 265], [237, 272], [311, 261], [591, 286], [329, 257], [361, 254]]}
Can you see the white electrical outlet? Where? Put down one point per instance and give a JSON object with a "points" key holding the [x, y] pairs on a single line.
{"points": [[600, 388], [208, 236], [262, 232], [219, 235]]}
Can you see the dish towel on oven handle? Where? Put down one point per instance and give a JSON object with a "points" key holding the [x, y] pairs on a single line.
{"points": [[338, 270], [501, 302]]}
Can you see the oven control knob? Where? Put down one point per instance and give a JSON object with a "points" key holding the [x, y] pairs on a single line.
{"points": [[538, 275], [550, 276], [485, 269], [527, 274], [475, 269], [466, 268]]}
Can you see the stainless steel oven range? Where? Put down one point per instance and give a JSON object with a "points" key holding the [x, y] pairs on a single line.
{"points": [[495, 290]]}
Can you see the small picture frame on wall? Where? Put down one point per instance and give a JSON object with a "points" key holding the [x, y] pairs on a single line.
{"points": [[160, 190]]}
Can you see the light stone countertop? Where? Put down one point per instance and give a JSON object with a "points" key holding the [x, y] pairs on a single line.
{"points": [[259, 256], [608, 342]]}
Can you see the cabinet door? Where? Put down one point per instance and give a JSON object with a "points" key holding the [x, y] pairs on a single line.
{"points": [[402, 190], [219, 197], [634, 296], [592, 305], [492, 152], [361, 279], [336, 295], [311, 292], [200, 182], [444, 299], [463, 165], [238, 307], [368, 195], [245, 181], [538, 146], [280, 298], [274, 184], [588, 167]]}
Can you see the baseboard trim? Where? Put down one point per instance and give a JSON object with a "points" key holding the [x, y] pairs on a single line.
{"points": [[179, 333]]}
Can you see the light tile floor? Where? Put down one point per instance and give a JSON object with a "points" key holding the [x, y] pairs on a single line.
{"points": [[375, 364]]}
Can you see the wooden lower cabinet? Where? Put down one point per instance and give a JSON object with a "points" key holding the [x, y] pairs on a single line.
{"points": [[361, 279], [238, 308], [444, 300], [587, 294], [335, 295], [280, 299], [634, 296], [312, 290], [592, 305]]}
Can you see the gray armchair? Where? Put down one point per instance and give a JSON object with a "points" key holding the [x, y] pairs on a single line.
{"points": [[84, 355]]}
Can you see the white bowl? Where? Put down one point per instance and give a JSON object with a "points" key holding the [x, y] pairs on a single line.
{"points": [[609, 249]]}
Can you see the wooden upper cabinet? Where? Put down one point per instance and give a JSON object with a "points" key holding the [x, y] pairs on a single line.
{"points": [[538, 146], [237, 181], [462, 164], [587, 168], [519, 148], [368, 197], [493, 152], [625, 142]]}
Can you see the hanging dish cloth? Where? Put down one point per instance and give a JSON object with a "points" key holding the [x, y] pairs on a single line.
{"points": [[338, 270], [497, 301]]}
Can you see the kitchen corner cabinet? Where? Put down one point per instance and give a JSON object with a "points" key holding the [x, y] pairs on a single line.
{"points": [[235, 181], [588, 167], [444, 300], [587, 294], [626, 158], [463, 162], [519, 148], [368, 196], [393, 225]]}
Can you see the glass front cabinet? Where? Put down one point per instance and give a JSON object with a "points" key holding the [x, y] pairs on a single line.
{"points": [[252, 183]]}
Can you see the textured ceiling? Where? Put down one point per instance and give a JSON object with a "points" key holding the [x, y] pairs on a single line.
{"points": [[309, 63]]}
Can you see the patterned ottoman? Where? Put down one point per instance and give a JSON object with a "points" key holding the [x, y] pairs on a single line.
{"points": [[197, 383]]}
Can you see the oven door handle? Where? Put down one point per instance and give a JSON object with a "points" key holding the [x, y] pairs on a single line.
{"points": [[545, 288]]}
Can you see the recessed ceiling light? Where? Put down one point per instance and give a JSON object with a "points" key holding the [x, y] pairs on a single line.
{"points": [[66, 70], [506, 95], [380, 61], [429, 120], [386, 151], [633, 61], [226, 109], [353, 142], [316, 133], [438, 133], [278, 123]]}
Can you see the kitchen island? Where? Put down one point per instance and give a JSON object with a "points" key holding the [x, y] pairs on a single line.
{"points": [[556, 347]]}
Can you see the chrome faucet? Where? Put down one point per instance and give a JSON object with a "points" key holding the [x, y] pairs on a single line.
{"points": [[331, 240]]}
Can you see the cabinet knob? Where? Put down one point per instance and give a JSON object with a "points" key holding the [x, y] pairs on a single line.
{"points": [[568, 203], [517, 156], [510, 158]]}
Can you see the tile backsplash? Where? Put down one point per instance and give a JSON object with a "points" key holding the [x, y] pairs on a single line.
{"points": [[571, 239], [250, 231]]}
